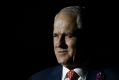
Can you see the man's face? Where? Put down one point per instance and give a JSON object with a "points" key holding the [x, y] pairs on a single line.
{"points": [[64, 38]]}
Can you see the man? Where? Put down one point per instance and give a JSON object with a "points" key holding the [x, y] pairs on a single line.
{"points": [[67, 37]]}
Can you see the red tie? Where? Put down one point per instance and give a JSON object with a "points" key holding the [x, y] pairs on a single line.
{"points": [[72, 75]]}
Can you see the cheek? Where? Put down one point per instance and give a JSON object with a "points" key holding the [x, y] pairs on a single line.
{"points": [[54, 42], [71, 43]]}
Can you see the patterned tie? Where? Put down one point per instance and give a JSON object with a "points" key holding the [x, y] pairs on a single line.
{"points": [[72, 75]]}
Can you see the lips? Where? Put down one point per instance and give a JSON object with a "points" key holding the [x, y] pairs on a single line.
{"points": [[62, 51]]}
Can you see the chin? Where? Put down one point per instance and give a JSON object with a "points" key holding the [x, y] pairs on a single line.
{"points": [[66, 64], [62, 61]]}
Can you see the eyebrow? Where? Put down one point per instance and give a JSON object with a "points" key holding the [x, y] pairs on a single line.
{"points": [[74, 33]]}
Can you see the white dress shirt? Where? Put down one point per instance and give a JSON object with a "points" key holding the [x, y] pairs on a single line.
{"points": [[79, 71]]}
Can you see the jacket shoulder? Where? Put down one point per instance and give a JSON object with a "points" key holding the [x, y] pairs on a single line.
{"points": [[108, 73], [46, 74], [112, 73]]}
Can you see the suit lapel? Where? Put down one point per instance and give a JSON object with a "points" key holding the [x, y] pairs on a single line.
{"points": [[91, 75], [57, 74]]}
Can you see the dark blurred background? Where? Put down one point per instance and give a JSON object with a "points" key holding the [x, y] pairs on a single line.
{"points": [[34, 46]]}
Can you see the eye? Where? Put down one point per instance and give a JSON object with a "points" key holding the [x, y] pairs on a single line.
{"points": [[69, 35], [55, 35]]}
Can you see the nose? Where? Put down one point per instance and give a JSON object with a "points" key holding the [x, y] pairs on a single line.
{"points": [[62, 42]]}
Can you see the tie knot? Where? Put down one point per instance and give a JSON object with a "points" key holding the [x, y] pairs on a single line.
{"points": [[72, 75]]}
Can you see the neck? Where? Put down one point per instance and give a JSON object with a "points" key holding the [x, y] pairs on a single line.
{"points": [[77, 64]]}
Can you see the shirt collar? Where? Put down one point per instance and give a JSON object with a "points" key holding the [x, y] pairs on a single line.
{"points": [[64, 72], [79, 71]]}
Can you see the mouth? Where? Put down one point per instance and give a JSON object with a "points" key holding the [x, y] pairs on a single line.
{"points": [[63, 51]]}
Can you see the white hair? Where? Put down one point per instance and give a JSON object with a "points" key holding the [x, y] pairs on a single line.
{"points": [[76, 11]]}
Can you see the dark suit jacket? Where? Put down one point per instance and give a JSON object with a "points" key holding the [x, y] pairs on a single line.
{"points": [[56, 72]]}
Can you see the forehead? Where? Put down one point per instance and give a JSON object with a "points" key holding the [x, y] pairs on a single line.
{"points": [[65, 21], [67, 16]]}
